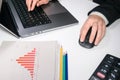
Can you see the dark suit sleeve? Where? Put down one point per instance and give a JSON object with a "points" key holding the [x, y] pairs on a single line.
{"points": [[109, 8], [98, 1]]}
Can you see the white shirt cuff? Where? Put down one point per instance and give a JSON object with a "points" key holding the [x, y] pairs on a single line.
{"points": [[90, 0], [101, 15]]}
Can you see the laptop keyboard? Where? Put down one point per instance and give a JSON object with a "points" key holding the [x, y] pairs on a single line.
{"points": [[32, 18], [109, 69]]}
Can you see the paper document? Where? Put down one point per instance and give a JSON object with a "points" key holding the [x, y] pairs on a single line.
{"points": [[29, 60]]}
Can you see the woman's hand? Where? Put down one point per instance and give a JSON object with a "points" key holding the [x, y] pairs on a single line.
{"points": [[32, 3], [98, 27]]}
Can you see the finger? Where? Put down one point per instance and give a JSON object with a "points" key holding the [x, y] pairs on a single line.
{"points": [[29, 2], [41, 2], [33, 5], [84, 30], [99, 34], [93, 33]]}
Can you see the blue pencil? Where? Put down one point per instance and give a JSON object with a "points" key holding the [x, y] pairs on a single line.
{"points": [[66, 66]]}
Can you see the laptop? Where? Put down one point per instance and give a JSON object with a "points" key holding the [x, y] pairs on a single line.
{"points": [[17, 20]]}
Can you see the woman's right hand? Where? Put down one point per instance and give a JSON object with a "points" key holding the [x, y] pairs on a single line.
{"points": [[32, 3]]}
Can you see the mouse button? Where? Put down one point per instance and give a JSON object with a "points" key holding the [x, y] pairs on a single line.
{"points": [[87, 39], [88, 35]]}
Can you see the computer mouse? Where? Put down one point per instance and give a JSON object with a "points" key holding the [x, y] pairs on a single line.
{"points": [[86, 43]]}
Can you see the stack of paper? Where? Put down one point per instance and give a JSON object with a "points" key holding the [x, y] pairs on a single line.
{"points": [[29, 60]]}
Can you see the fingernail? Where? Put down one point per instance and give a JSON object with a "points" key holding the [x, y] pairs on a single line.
{"points": [[81, 40], [90, 41], [96, 44], [28, 9]]}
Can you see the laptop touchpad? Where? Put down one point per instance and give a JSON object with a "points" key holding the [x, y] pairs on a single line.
{"points": [[53, 8]]}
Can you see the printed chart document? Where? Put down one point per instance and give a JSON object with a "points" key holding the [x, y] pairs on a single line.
{"points": [[29, 60]]}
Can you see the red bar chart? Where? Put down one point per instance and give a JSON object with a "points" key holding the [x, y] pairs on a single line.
{"points": [[27, 61]]}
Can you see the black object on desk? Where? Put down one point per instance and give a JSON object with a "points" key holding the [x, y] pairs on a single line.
{"points": [[109, 69], [86, 43]]}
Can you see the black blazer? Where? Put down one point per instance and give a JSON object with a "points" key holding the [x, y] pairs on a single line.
{"points": [[109, 8]]}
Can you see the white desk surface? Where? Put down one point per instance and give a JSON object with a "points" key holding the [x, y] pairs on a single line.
{"points": [[82, 62]]}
